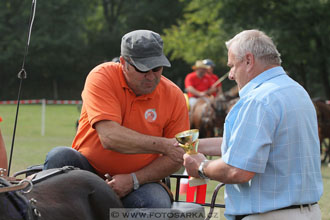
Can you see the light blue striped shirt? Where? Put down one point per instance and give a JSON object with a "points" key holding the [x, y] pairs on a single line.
{"points": [[272, 131]]}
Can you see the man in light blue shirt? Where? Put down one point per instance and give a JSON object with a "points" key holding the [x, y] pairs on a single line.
{"points": [[270, 148]]}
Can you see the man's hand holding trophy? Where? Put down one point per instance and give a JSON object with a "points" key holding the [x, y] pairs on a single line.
{"points": [[188, 140]]}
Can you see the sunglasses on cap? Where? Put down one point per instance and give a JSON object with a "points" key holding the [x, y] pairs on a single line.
{"points": [[156, 69]]}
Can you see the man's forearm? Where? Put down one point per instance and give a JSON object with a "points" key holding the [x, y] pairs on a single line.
{"points": [[3, 154], [211, 90], [222, 172], [159, 169], [123, 140], [3, 159], [194, 91], [210, 146]]}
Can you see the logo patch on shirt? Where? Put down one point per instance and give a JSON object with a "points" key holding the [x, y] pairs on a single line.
{"points": [[150, 115]]}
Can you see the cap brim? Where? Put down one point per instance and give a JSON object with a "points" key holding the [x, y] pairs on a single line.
{"points": [[200, 67], [148, 63]]}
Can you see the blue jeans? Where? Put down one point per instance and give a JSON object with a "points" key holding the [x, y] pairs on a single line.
{"points": [[66, 156], [150, 195]]}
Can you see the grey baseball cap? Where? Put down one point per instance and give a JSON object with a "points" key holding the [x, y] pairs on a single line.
{"points": [[145, 49]]}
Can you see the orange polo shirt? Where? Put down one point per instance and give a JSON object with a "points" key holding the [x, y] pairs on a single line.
{"points": [[106, 96]]}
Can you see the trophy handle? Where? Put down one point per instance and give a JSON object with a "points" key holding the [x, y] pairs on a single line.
{"points": [[190, 148]]}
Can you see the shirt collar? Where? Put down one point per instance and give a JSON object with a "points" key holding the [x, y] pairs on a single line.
{"points": [[261, 78]]}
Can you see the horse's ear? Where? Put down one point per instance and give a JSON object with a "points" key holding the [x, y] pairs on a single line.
{"points": [[221, 97]]}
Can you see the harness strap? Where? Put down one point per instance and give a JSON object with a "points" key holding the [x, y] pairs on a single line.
{"points": [[20, 186], [51, 172]]}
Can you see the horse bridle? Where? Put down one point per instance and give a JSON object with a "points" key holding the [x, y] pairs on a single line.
{"points": [[13, 193], [25, 186]]}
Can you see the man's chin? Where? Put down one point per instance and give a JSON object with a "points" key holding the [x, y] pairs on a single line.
{"points": [[147, 90]]}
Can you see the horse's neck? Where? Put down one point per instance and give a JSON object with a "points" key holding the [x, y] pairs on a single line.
{"points": [[322, 110], [221, 97]]}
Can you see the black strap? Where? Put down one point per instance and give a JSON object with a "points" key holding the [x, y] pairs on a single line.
{"points": [[43, 175], [22, 75], [297, 206], [240, 217]]}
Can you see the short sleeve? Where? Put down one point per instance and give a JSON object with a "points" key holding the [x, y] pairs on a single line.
{"points": [[188, 81], [251, 137], [99, 96]]}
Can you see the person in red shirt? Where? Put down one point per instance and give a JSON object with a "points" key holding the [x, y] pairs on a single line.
{"points": [[214, 77], [198, 83], [129, 117]]}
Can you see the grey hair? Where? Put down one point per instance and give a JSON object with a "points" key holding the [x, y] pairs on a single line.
{"points": [[257, 43]]}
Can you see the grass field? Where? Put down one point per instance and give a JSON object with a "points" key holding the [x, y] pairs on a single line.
{"points": [[31, 148]]}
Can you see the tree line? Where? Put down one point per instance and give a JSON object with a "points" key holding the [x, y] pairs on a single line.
{"points": [[70, 37]]}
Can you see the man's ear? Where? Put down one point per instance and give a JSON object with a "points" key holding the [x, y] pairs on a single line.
{"points": [[122, 60], [249, 58]]}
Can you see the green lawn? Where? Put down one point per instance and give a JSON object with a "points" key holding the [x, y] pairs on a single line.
{"points": [[31, 148]]}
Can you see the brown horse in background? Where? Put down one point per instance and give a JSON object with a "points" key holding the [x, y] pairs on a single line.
{"points": [[323, 119], [209, 113]]}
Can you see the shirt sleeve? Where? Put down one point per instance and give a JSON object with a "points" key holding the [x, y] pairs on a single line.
{"points": [[188, 81], [251, 137], [179, 120], [99, 97]]}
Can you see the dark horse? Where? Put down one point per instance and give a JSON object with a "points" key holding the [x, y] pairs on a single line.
{"points": [[209, 113], [69, 195], [323, 119]]}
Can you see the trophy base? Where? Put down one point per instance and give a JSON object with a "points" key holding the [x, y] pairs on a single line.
{"points": [[197, 181]]}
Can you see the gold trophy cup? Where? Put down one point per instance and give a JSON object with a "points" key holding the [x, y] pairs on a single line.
{"points": [[188, 140]]}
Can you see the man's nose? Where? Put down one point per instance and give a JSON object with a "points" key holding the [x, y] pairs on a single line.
{"points": [[150, 75], [231, 75]]}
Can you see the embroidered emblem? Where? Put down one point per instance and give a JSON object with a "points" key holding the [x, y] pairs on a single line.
{"points": [[150, 115]]}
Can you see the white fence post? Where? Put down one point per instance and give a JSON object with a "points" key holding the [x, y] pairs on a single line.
{"points": [[43, 116]]}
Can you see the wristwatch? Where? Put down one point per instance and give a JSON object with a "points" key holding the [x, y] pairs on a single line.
{"points": [[136, 184], [200, 170]]}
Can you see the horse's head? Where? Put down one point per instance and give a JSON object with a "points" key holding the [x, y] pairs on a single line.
{"points": [[220, 108]]}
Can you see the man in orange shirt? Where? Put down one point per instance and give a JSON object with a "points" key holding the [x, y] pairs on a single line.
{"points": [[128, 121]]}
